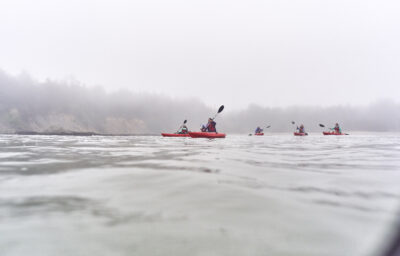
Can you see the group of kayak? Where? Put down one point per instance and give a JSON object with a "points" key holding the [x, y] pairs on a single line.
{"points": [[336, 130], [210, 131], [300, 130]]}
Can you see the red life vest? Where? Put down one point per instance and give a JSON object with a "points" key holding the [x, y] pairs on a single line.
{"points": [[211, 127]]}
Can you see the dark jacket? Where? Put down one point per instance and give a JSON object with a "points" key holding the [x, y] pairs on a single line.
{"points": [[211, 127]]}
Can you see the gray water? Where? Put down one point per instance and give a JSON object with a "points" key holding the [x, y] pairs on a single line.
{"points": [[271, 195]]}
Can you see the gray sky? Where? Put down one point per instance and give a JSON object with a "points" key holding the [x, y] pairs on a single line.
{"points": [[273, 53]]}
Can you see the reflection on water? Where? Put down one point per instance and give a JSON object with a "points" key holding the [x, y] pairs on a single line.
{"points": [[271, 195]]}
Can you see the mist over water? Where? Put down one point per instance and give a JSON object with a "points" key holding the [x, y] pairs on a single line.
{"points": [[118, 188], [27, 105], [148, 195]]}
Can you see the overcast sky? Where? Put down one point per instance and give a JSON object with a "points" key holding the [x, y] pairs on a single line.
{"points": [[269, 52]]}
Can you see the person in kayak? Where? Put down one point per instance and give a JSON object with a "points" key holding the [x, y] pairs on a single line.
{"points": [[337, 128], [258, 130], [301, 129], [211, 125], [183, 129]]}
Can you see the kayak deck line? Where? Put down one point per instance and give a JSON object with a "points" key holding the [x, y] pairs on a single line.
{"points": [[334, 133], [175, 135], [210, 135], [300, 134]]}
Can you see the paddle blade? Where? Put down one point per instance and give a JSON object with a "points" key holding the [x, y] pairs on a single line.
{"points": [[184, 122], [292, 122], [268, 126], [321, 125], [220, 109]]}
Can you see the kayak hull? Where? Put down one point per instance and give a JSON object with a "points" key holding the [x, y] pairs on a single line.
{"points": [[333, 133], [174, 135], [259, 134], [300, 134], [209, 135]]}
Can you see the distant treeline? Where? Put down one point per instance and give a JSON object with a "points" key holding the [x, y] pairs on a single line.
{"points": [[382, 116], [52, 106]]}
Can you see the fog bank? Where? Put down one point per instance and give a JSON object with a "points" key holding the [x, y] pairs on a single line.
{"points": [[28, 105]]}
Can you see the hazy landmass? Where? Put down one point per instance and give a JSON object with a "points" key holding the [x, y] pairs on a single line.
{"points": [[54, 106]]}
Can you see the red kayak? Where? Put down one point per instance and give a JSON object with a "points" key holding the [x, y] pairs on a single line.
{"points": [[258, 134], [300, 134], [210, 135], [175, 135], [334, 133]]}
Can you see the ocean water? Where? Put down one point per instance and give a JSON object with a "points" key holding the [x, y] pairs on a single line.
{"points": [[243, 195]]}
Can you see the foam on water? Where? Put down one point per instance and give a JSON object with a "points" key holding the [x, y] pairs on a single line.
{"points": [[271, 195]]}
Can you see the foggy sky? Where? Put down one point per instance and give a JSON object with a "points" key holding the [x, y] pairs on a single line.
{"points": [[270, 53], [53, 106]]}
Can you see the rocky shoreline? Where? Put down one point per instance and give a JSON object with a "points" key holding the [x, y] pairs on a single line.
{"points": [[73, 133]]}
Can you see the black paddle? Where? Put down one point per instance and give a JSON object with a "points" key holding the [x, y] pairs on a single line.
{"points": [[219, 111], [184, 122], [296, 128], [321, 125]]}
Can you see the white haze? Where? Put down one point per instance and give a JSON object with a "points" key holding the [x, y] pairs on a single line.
{"points": [[270, 53], [51, 106]]}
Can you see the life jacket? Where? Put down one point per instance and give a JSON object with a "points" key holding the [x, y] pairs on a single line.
{"points": [[184, 130], [211, 127]]}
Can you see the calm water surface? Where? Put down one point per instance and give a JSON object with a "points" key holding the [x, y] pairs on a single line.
{"points": [[272, 195]]}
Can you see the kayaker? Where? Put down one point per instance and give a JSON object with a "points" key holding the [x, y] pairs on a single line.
{"points": [[337, 128], [259, 130], [211, 125], [183, 129], [301, 129]]}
